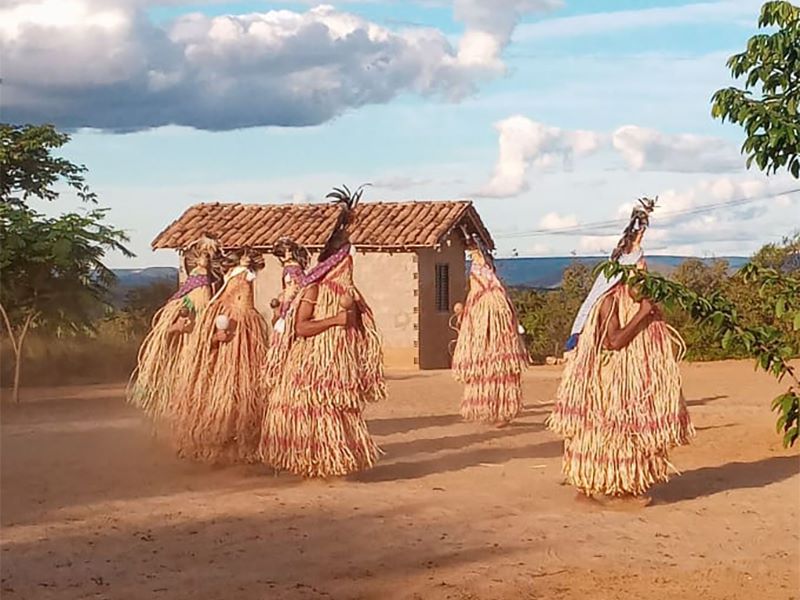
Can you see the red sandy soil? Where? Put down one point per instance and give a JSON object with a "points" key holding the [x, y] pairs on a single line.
{"points": [[93, 506]]}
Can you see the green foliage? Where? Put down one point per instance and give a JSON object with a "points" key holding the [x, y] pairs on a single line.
{"points": [[547, 315], [104, 352], [702, 279], [52, 274], [142, 303], [53, 266], [772, 344], [770, 66], [784, 256], [28, 168], [106, 355]]}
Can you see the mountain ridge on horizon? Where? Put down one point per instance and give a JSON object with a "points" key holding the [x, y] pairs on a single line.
{"points": [[540, 272]]}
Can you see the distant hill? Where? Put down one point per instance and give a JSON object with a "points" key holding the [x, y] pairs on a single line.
{"points": [[129, 279], [546, 272], [140, 277], [542, 273]]}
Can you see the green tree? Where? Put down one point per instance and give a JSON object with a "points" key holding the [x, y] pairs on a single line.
{"points": [[784, 256], [701, 277], [547, 315], [142, 303], [28, 168], [768, 105], [52, 274]]}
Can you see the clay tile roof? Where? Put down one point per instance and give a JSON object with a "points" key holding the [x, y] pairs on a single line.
{"points": [[377, 225]]}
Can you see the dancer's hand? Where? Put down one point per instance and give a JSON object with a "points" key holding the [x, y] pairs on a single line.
{"points": [[275, 305], [182, 325], [646, 306], [347, 318], [341, 318]]}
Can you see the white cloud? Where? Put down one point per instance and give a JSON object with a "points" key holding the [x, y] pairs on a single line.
{"points": [[104, 64], [301, 198], [604, 244], [489, 26], [597, 244], [723, 212], [553, 220], [613, 22], [648, 149], [523, 143], [722, 216]]}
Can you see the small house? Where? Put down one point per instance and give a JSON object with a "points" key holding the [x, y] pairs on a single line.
{"points": [[410, 262]]}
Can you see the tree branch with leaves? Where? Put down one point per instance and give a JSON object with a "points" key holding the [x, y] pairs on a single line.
{"points": [[772, 350], [52, 271], [767, 107]]}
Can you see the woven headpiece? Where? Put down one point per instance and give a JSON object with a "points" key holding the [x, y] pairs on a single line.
{"points": [[286, 248], [639, 221]]}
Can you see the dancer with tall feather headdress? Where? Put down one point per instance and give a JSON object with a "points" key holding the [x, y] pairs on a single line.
{"points": [[620, 406], [489, 356], [315, 424], [221, 398], [173, 327]]}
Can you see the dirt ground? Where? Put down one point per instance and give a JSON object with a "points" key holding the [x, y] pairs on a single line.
{"points": [[93, 506]]}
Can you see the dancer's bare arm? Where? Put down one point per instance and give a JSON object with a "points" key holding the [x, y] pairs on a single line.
{"points": [[618, 337], [306, 325]]}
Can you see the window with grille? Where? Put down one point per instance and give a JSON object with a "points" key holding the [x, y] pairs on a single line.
{"points": [[443, 287]]}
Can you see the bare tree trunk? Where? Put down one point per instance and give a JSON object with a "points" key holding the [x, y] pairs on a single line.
{"points": [[17, 371], [17, 343]]}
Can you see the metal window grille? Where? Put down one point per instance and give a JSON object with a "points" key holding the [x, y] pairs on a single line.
{"points": [[442, 287]]}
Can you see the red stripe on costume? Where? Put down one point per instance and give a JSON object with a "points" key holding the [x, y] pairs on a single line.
{"points": [[634, 426]]}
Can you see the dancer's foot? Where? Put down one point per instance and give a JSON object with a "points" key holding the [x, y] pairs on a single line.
{"points": [[626, 502], [502, 424]]}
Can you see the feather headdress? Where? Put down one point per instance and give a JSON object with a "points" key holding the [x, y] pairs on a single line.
{"points": [[639, 221], [347, 201]]}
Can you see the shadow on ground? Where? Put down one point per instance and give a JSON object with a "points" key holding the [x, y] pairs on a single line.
{"points": [[287, 554], [708, 481]]}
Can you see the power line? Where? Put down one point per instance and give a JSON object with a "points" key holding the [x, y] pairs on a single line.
{"points": [[600, 225]]}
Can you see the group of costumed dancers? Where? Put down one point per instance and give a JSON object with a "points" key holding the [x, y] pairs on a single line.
{"points": [[292, 393], [233, 388]]}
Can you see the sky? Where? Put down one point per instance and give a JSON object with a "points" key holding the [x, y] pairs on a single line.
{"points": [[552, 115]]}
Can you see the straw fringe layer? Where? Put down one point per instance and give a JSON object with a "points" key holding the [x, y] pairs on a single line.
{"points": [[489, 356], [620, 412], [492, 401], [315, 426], [221, 399], [153, 381]]}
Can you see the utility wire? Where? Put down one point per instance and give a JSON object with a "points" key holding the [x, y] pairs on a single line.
{"points": [[600, 225]]}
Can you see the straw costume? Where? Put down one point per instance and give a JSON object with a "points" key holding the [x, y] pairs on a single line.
{"points": [[489, 356], [172, 330], [294, 260], [315, 424], [221, 400], [620, 407]]}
